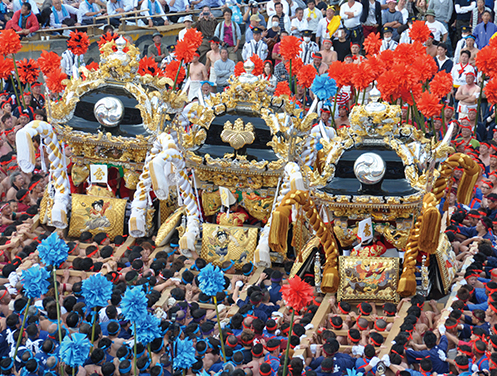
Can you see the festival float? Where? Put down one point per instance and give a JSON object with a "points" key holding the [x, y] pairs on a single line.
{"points": [[243, 176]]}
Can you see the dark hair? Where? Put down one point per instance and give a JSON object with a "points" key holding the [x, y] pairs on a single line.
{"points": [[466, 52], [27, 5], [227, 10], [430, 339]]}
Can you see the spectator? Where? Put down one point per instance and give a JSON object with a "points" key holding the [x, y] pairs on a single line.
{"points": [[61, 15], [355, 49], [177, 6], [471, 47], [478, 13], [431, 48], [272, 34], [70, 63], [299, 24], [155, 13], [114, 7], [329, 56], [285, 23], [229, 34], [24, 21], [253, 10], [271, 7], [268, 75], [350, 12], [237, 16], [460, 70], [484, 30], [420, 9], [437, 28], [464, 13], [206, 24], [371, 17], [212, 56], [442, 10], [312, 16], [158, 50], [254, 22], [255, 46], [281, 72], [341, 45], [275, 54], [443, 62], [37, 98], [405, 37], [16, 5], [461, 44], [224, 68], [388, 43], [322, 31], [88, 11], [392, 18], [401, 7], [188, 21]]}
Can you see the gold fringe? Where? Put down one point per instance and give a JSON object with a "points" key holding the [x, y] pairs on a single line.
{"points": [[330, 281], [407, 283], [430, 230], [279, 232], [465, 187]]}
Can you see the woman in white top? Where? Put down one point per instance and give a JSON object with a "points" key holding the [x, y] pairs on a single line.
{"points": [[268, 75]]}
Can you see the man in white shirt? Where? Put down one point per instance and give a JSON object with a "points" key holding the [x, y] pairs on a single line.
{"points": [[461, 44], [460, 70], [115, 7], [88, 10], [61, 15], [350, 12], [188, 25], [312, 15], [18, 3], [299, 24], [155, 12], [437, 28], [271, 7], [322, 31], [308, 47], [255, 47]]}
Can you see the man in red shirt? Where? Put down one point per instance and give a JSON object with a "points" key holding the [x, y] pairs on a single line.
{"points": [[24, 21]]}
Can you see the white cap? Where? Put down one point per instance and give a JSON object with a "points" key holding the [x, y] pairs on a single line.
{"points": [[188, 18]]}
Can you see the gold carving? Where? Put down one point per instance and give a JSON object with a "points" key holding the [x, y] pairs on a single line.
{"points": [[239, 134]]}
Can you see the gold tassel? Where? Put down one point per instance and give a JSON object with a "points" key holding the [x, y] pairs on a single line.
{"points": [[330, 280], [407, 283], [430, 230], [279, 232], [465, 187]]}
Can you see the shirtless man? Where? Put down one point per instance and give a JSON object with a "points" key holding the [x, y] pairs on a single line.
{"points": [[317, 62], [198, 73], [470, 46], [467, 95], [212, 56], [329, 56], [431, 49]]}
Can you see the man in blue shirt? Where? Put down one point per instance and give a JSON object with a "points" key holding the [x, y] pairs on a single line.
{"points": [[484, 30], [437, 353]]}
